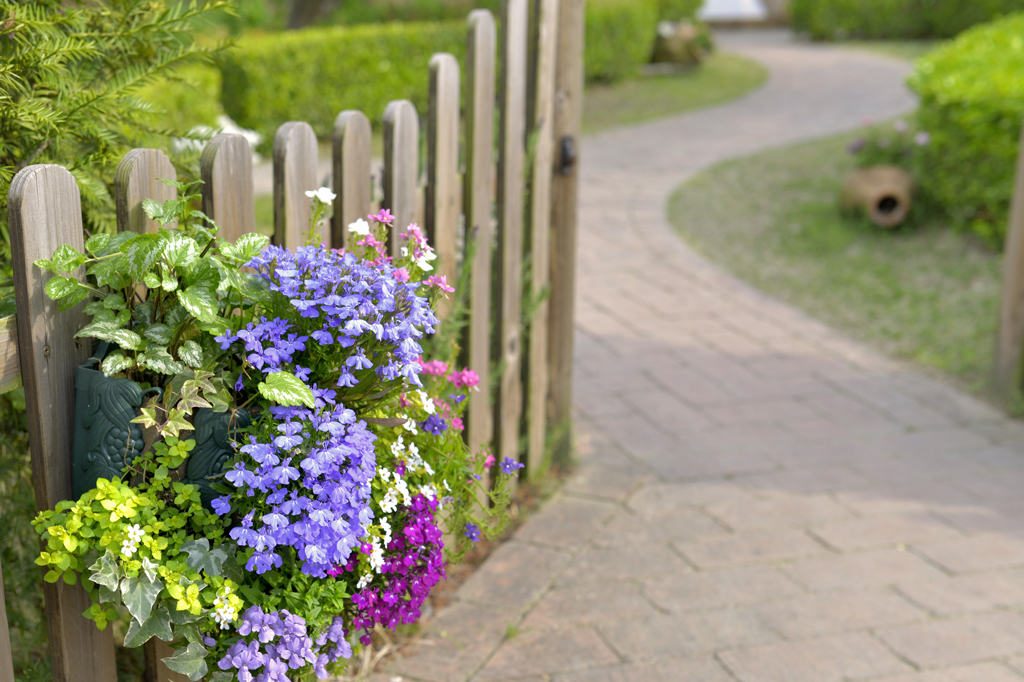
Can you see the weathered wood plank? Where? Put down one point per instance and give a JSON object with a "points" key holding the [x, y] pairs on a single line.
{"points": [[544, 36], [401, 165], [442, 209], [6, 659], [1008, 370], [478, 200], [44, 212], [352, 174], [10, 360], [511, 163], [156, 670], [138, 177], [564, 199], [226, 172], [295, 160]]}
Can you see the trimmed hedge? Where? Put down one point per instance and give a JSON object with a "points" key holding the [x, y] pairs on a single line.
{"points": [[620, 36], [832, 19], [972, 102], [313, 74], [193, 100]]}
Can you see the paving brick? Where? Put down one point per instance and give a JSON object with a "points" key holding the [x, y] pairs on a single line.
{"points": [[958, 640], [565, 522], [545, 653], [513, 576], [615, 563], [977, 553], [750, 547], [982, 672], [675, 670], [836, 612], [629, 529], [686, 634], [453, 645], [781, 510], [726, 587], [599, 481], [658, 500], [826, 659], [949, 596], [861, 569], [807, 480], [588, 604], [884, 531]]}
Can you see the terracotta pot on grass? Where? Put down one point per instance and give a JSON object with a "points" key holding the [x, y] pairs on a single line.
{"points": [[884, 193]]}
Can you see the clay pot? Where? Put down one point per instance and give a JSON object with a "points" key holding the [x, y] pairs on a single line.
{"points": [[884, 193], [678, 43]]}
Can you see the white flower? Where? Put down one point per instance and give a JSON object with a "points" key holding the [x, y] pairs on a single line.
{"points": [[423, 264], [377, 556], [429, 469], [409, 425], [403, 488], [385, 475], [428, 404], [128, 548], [429, 491], [398, 447], [135, 533], [323, 195], [360, 227], [390, 502], [405, 252], [364, 581], [386, 527], [446, 486]]}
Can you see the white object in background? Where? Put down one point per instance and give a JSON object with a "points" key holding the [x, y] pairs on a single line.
{"points": [[732, 10]]}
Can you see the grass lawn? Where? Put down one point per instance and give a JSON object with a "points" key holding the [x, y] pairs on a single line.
{"points": [[724, 76], [908, 50], [921, 292]]}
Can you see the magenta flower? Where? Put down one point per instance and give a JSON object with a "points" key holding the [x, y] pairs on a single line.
{"points": [[383, 216]]}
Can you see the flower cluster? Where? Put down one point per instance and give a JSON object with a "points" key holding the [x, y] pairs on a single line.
{"points": [[131, 543], [225, 607], [897, 146], [279, 643]]}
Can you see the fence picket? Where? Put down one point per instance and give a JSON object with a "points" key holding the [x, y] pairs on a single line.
{"points": [[226, 171], [542, 91], [352, 174], [138, 177], [6, 659], [401, 165], [44, 212], [511, 162], [10, 360], [295, 160], [477, 197], [442, 210]]}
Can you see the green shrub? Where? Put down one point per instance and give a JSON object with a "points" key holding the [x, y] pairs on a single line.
{"points": [[677, 10], [313, 74], [831, 19], [362, 12], [189, 98], [620, 35], [972, 101]]}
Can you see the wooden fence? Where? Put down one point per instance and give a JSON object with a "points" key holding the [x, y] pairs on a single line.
{"points": [[499, 190]]}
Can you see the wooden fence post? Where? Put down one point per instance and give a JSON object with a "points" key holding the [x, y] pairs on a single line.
{"points": [[295, 161], [544, 34], [138, 177], [1008, 369], [228, 198], [6, 659], [401, 165], [564, 197], [352, 173], [442, 214], [44, 212], [477, 198], [511, 162]]}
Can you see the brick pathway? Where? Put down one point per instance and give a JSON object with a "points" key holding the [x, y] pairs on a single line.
{"points": [[759, 499]]}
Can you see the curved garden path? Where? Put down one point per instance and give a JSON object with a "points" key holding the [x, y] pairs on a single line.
{"points": [[758, 498]]}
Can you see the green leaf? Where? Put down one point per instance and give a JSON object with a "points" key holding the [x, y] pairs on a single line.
{"points": [[190, 661], [183, 617], [152, 280], [97, 243], [105, 572], [247, 247], [204, 274], [68, 259], [201, 301], [43, 264], [139, 595], [114, 301], [116, 363], [109, 331], [159, 360], [147, 417], [180, 250], [202, 558], [176, 423], [158, 624], [191, 353], [219, 401], [140, 254], [73, 299], [284, 388], [59, 286], [169, 283], [149, 568], [160, 334]]}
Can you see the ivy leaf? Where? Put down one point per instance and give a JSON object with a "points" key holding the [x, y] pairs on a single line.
{"points": [[147, 417], [190, 399], [219, 401], [191, 353], [190, 662], [149, 568], [115, 363], [157, 625], [182, 617], [176, 423], [200, 301], [232, 570], [67, 259], [59, 286], [202, 558], [140, 254], [139, 595], [284, 388], [104, 572], [160, 334]]}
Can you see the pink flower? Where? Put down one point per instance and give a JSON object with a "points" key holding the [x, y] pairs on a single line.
{"points": [[466, 377], [489, 462], [401, 274], [383, 216], [457, 424], [433, 368], [440, 282]]}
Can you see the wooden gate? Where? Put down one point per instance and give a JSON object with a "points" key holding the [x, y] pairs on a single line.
{"points": [[502, 204]]}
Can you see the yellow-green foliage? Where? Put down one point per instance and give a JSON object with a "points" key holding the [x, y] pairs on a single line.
{"points": [[620, 36], [831, 19], [313, 74], [189, 98], [972, 101]]}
